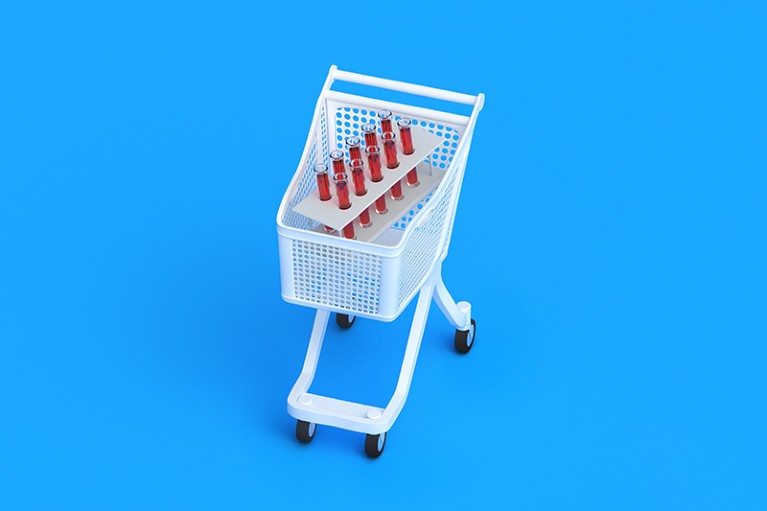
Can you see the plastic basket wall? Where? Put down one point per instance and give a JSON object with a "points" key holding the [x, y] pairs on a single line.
{"points": [[328, 276]]}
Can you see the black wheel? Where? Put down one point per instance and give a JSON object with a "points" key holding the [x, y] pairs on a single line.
{"points": [[374, 445], [344, 320], [464, 339], [305, 431]]}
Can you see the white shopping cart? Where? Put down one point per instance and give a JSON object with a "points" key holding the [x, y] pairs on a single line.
{"points": [[376, 275]]}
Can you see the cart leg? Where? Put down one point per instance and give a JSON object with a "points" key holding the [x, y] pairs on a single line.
{"points": [[411, 354], [458, 314], [312, 356]]}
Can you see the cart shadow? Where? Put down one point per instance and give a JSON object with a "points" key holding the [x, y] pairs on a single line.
{"points": [[226, 332], [230, 334]]}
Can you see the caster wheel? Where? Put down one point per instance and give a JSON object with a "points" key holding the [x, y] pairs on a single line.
{"points": [[374, 445], [464, 339], [344, 320], [305, 431]]}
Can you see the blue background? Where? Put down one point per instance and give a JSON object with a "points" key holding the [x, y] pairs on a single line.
{"points": [[610, 236]]}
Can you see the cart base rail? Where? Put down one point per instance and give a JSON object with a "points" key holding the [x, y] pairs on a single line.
{"points": [[373, 420]]}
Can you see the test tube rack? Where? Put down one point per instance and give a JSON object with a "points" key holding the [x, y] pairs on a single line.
{"points": [[328, 213]]}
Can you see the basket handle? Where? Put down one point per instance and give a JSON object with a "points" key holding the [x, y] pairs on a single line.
{"points": [[425, 216], [410, 88]]}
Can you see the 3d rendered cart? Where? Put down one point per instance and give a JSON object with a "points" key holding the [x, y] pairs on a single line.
{"points": [[378, 274]]}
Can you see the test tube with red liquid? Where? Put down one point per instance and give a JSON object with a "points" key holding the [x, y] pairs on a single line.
{"points": [[390, 149], [358, 178], [374, 162], [353, 144], [371, 139], [385, 116], [374, 165], [405, 136], [407, 148], [390, 152], [337, 157], [323, 185], [342, 191]]}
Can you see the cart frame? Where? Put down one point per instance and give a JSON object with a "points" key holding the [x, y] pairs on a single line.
{"points": [[390, 298]]}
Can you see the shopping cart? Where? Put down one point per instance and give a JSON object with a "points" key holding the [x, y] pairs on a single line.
{"points": [[376, 275]]}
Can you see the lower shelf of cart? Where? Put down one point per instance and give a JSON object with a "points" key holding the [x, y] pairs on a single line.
{"points": [[338, 413]]}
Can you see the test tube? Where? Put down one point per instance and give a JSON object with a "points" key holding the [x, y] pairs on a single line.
{"points": [[407, 148], [371, 139], [358, 177], [405, 135], [337, 157], [323, 185], [353, 144], [374, 164], [390, 149], [349, 231], [412, 178], [396, 191], [342, 191], [385, 116]]}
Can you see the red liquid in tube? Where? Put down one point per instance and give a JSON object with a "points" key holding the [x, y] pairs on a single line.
{"points": [[412, 178], [323, 183], [353, 144], [349, 232], [358, 176], [385, 116], [407, 148], [390, 150], [396, 191], [374, 163], [371, 139], [337, 157], [381, 205], [342, 191], [359, 189], [405, 135], [365, 218]]}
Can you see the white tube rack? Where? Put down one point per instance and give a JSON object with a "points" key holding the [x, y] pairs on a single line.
{"points": [[328, 213]]}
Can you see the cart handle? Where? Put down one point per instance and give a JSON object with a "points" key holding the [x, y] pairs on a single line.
{"points": [[410, 88]]}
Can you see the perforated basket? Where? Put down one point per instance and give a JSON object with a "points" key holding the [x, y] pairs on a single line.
{"points": [[373, 279]]}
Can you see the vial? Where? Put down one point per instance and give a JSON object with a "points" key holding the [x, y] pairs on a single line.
{"points": [[342, 191], [323, 186], [396, 191], [337, 158], [385, 117], [358, 178], [405, 136], [390, 149], [407, 148], [374, 162], [323, 183], [353, 145], [374, 165], [369, 130]]}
